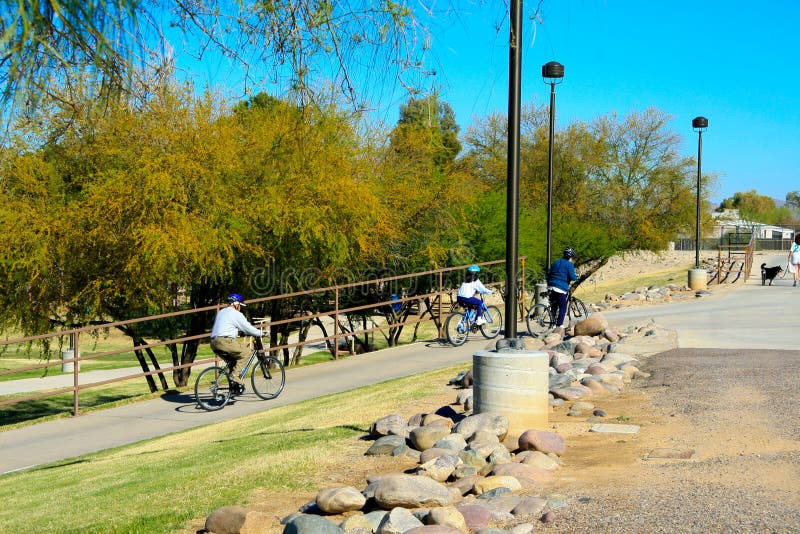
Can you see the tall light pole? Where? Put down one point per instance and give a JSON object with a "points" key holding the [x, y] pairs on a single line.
{"points": [[699, 124], [512, 171], [553, 74]]}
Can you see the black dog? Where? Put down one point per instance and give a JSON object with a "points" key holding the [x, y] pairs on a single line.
{"points": [[769, 273]]}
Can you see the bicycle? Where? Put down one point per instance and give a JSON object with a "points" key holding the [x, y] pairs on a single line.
{"points": [[460, 323], [541, 317], [214, 387]]}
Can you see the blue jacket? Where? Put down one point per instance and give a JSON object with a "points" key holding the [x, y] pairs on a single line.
{"points": [[560, 274]]}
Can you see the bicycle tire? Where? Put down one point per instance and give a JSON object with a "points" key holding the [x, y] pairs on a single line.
{"points": [[212, 389], [577, 309], [268, 377], [494, 322], [456, 329], [539, 320]]}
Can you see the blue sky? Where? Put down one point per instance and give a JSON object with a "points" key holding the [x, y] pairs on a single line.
{"points": [[736, 63]]}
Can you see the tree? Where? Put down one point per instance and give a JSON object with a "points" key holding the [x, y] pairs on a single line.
{"points": [[617, 185], [750, 204], [49, 50], [428, 125], [793, 199]]}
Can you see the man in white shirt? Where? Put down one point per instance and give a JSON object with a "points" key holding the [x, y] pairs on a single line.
{"points": [[227, 325]]}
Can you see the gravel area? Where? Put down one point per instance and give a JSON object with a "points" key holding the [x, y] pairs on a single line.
{"points": [[738, 410]]}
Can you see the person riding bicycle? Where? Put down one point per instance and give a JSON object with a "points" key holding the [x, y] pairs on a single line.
{"points": [[227, 325], [471, 287], [559, 277]]}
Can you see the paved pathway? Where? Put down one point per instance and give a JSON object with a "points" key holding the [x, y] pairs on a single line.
{"points": [[751, 316]]}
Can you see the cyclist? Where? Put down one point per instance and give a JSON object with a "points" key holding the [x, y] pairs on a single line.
{"points": [[559, 277], [227, 325], [471, 287]]}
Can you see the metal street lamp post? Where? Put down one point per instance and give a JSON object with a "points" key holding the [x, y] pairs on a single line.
{"points": [[512, 179], [699, 124], [553, 74]]}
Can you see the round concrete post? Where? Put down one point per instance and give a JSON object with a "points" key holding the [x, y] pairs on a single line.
{"points": [[513, 383], [68, 367], [698, 279], [541, 294]]}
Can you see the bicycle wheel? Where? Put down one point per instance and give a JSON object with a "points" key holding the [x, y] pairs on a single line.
{"points": [[456, 328], [268, 377], [577, 309], [213, 388], [494, 322], [539, 320]]}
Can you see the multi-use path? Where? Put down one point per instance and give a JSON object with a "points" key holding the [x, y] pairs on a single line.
{"points": [[751, 316]]}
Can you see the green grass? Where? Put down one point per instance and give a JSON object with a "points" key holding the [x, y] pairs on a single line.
{"points": [[596, 293], [158, 486]]}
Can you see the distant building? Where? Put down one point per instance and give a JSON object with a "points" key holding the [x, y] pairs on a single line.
{"points": [[728, 222]]}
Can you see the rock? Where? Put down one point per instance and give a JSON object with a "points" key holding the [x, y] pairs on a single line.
{"points": [[434, 452], [440, 469], [475, 515], [384, 446], [537, 459], [310, 524], [594, 385], [593, 325], [434, 529], [454, 442], [463, 395], [523, 472], [236, 520], [571, 392], [548, 517], [529, 506], [392, 424], [339, 500], [494, 423], [447, 516], [409, 491], [542, 440], [424, 437], [496, 481], [398, 521], [357, 523]]}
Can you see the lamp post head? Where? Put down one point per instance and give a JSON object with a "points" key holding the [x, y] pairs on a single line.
{"points": [[552, 72], [699, 123]]}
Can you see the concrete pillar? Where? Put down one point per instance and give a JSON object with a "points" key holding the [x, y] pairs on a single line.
{"points": [[698, 279], [541, 288], [68, 367], [513, 383]]}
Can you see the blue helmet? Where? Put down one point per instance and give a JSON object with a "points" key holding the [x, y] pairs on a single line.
{"points": [[473, 269], [569, 252], [236, 298]]}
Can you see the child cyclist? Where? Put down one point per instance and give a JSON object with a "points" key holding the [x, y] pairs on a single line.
{"points": [[471, 287]]}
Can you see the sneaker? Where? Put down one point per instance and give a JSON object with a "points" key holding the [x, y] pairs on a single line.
{"points": [[237, 387], [480, 321]]}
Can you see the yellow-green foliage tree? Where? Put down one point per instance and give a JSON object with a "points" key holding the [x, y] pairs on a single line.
{"points": [[141, 203], [617, 185]]}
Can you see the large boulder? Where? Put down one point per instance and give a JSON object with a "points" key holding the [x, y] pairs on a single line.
{"points": [[542, 440], [495, 423], [340, 499], [236, 520], [593, 325], [410, 491]]}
